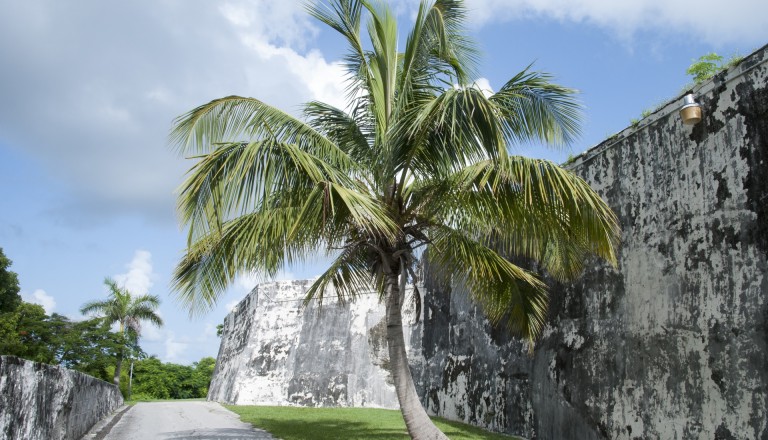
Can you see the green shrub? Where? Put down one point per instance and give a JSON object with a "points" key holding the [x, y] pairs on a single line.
{"points": [[710, 64]]}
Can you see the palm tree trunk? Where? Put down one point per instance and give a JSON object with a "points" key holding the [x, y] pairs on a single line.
{"points": [[420, 427], [118, 367]]}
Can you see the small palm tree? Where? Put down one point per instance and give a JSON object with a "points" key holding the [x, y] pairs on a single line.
{"points": [[128, 311], [416, 167]]}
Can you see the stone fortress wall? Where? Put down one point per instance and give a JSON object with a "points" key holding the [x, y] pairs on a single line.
{"points": [[274, 351], [672, 344]]}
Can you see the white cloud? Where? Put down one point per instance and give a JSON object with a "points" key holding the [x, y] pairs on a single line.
{"points": [[283, 22], [138, 279], [324, 80], [245, 282], [284, 276], [174, 349], [209, 331], [40, 297], [150, 332], [92, 88], [741, 21], [484, 86]]}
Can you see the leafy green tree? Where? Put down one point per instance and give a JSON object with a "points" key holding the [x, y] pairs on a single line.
{"points": [[154, 379], [9, 286], [87, 346], [708, 65], [202, 375], [150, 379], [416, 166], [90, 347], [705, 67], [27, 333], [128, 311]]}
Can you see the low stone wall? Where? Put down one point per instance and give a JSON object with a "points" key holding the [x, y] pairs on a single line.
{"points": [[46, 402]]}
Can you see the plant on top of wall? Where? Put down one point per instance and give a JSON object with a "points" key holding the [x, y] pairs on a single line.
{"points": [[709, 65]]}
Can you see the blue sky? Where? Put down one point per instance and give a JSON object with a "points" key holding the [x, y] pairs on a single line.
{"points": [[88, 91]]}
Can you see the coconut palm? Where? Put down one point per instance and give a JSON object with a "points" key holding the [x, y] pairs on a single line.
{"points": [[417, 166], [127, 311]]}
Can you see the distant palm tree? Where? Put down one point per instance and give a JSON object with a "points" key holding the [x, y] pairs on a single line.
{"points": [[126, 310], [417, 166]]}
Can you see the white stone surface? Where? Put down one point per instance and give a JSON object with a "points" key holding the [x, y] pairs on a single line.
{"points": [[274, 351]]}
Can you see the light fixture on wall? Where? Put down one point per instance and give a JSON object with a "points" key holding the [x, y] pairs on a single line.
{"points": [[691, 111]]}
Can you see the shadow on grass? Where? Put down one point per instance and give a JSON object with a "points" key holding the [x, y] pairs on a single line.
{"points": [[294, 423], [328, 430]]}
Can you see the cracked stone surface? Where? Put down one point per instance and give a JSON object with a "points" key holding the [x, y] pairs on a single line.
{"points": [[46, 402]]}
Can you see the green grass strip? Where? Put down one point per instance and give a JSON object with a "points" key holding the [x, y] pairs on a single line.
{"points": [[295, 423]]}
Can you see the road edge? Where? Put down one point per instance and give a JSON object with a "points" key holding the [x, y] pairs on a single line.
{"points": [[105, 425]]}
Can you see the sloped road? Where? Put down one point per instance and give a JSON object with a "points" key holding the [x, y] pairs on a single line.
{"points": [[179, 420]]}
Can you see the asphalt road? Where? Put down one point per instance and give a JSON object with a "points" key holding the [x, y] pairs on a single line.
{"points": [[180, 420]]}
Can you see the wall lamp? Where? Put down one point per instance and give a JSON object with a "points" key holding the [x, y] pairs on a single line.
{"points": [[691, 111]]}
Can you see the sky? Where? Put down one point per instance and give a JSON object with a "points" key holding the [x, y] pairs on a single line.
{"points": [[89, 90]]}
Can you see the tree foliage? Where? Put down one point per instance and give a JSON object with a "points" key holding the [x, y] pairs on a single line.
{"points": [[91, 347], [87, 346], [9, 286], [153, 379], [128, 311]]}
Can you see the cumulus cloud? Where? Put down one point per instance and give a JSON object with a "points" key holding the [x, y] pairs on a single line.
{"points": [[742, 21], [245, 282], [174, 349], [209, 332], [91, 88], [151, 333], [138, 279], [40, 297]]}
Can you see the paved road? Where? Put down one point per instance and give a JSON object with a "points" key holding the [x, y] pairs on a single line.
{"points": [[181, 420]]}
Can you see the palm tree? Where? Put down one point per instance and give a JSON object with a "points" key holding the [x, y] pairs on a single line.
{"points": [[417, 166], [128, 311]]}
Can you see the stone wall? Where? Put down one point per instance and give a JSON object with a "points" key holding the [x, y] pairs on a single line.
{"points": [[673, 343], [274, 352], [46, 402]]}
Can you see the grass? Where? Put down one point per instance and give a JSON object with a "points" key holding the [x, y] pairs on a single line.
{"points": [[294, 423]]}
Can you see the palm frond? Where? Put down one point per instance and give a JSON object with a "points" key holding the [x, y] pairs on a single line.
{"points": [[532, 108], [236, 119], [296, 223], [526, 207], [458, 128], [349, 275], [352, 133], [239, 178], [344, 16], [504, 290]]}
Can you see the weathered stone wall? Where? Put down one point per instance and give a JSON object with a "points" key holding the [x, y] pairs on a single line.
{"points": [[274, 352], [46, 402], [673, 343]]}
